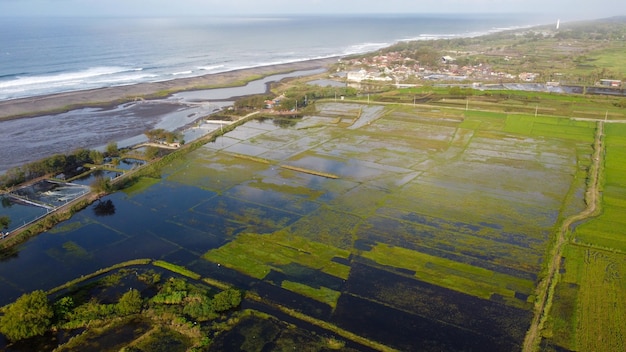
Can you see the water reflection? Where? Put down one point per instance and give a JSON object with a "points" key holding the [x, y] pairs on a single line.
{"points": [[106, 208]]}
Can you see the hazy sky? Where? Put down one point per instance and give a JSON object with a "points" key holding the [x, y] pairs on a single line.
{"points": [[572, 9]]}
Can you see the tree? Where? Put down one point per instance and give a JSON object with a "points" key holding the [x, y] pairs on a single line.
{"points": [[105, 208], [96, 157], [129, 303], [63, 307], [199, 307], [4, 222], [151, 152], [101, 184], [111, 149], [226, 300], [30, 315]]}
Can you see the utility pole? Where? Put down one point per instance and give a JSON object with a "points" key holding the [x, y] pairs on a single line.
{"points": [[536, 109]]}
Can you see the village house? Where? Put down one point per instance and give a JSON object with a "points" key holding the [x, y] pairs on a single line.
{"points": [[613, 83]]}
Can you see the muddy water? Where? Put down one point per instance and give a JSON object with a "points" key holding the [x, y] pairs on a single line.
{"points": [[30, 139]]}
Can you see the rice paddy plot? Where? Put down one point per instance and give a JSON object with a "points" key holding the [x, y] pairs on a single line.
{"points": [[350, 168], [198, 236], [396, 218], [214, 171], [222, 143], [460, 277], [367, 115], [539, 188], [599, 308], [425, 137], [249, 130], [301, 184], [328, 226], [256, 255], [259, 193], [248, 216], [408, 331], [277, 139], [458, 202], [385, 150], [436, 303], [607, 230], [476, 249], [421, 117], [362, 200]]}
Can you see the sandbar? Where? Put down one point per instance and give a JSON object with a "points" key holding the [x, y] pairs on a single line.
{"points": [[61, 102]]}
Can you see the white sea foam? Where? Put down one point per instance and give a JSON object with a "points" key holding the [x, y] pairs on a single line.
{"points": [[63, 78], [95, 77], [210, 68], [363, 48]]}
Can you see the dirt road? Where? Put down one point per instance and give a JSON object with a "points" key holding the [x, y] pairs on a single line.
{"points": [[545, 289]]}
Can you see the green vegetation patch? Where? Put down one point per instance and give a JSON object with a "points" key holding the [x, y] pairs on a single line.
{"points": [[327, 226], [521, 124], [446, 273], [177, 269], [164, 339], [322, 294], [608, 229], [256, 255], [596, 283], [208, 169], [112, 337], [140, 185]]}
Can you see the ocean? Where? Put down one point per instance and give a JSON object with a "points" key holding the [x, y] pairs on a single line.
{"points": [[54, 55]]}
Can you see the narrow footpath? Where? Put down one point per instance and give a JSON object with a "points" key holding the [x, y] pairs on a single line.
{"points": [[545, 289]]}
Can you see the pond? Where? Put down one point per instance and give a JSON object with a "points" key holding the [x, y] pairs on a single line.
{"points": [[89, 179], [19, 212]]}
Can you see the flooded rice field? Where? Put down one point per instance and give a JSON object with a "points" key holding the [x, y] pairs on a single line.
{"points": [[431, 237]]}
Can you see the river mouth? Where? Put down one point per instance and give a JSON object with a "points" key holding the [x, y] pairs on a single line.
{"points": [[433, 241]]}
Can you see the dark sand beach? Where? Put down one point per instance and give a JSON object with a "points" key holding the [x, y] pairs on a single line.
{"points": [[33, 106]]}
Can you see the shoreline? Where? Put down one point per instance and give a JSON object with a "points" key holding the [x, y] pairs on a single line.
{"points": [[112, 96]]}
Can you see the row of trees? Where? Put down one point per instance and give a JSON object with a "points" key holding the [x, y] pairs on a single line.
{"points": [[33, 314], [252, 102], [161, 135], [195, 302], [58, 163], [302, 95], [298, 96]]}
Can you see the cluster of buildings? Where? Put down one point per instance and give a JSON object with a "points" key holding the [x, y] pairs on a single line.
{"points": [[392, 67]]}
